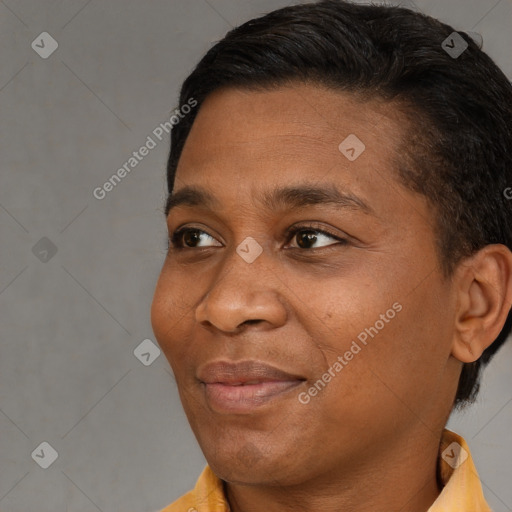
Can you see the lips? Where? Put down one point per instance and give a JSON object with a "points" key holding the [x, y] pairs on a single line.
{"points": [[243, 386]]}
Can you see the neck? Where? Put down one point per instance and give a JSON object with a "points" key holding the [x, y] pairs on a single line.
{"points": [[401, 477]]}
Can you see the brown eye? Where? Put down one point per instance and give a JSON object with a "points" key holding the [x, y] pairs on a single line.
{"points": [[307, 237], [190, 238]]}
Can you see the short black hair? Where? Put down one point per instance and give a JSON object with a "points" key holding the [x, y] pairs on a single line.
{"points": [[458, 151]]}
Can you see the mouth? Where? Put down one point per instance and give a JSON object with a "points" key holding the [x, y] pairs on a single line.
{"points": [[243, 387]]}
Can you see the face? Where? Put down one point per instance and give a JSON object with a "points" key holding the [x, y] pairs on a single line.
{"points": [[301, 304]]}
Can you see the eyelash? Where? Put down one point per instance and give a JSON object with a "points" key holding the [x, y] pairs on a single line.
{"points": [[175, 240]]}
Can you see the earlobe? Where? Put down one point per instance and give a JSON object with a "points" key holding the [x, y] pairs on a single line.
{"points": [[484, 287]]}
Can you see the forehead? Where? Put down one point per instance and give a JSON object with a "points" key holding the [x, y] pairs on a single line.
{"points": [[293, 103], [253, 138], [289, 126]]}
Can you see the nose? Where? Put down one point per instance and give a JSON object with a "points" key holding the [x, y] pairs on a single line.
{"points": [[243, 294]]}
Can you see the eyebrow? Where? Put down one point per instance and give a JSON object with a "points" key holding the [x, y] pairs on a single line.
{"points": [[292, 197]]}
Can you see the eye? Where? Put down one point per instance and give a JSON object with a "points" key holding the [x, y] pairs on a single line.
{"points": [[189, 238], [308, 236]]}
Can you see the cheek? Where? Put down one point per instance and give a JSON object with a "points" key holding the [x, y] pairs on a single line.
{"points": [[344, 308], [391, 336], [405, 358], [170, 310]]}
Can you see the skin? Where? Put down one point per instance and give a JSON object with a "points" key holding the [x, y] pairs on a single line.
{"points": [[369, 440]]}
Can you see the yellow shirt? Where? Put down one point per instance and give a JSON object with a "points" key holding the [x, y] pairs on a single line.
{"points": [[462, 491]]}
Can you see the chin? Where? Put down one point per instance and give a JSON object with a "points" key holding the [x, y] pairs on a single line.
{"points": [[254, 462]]}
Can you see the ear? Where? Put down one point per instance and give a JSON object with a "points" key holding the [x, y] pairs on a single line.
{"points": [[484, 287]]}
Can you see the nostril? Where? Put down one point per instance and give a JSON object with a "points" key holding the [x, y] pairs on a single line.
{"points": [[251, 321]]}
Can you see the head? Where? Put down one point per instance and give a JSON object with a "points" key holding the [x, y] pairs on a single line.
{"points": [[408, 270]]}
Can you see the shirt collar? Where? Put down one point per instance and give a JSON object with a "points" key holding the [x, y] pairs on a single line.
{"points": [[462, 489], [209, 493]]}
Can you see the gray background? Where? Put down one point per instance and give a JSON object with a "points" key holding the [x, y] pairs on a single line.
{"points": [[68, 374]]}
